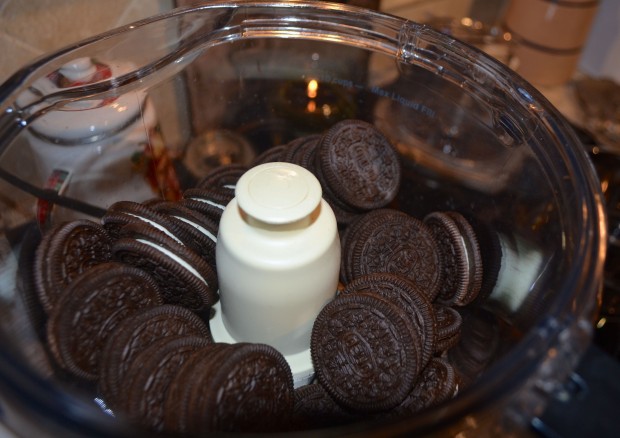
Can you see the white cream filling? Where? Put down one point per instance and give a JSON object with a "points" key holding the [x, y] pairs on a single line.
{"points": [[206, 201], [176, 258], [199, 228], [156, 225], [465, 247]]}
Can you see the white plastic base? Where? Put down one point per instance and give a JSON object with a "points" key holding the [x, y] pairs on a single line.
{"points": [[300, 363]]}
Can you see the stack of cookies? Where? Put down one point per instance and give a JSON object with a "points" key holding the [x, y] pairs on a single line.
{"points": [[380, 348], [359, 169], [128, 302]]}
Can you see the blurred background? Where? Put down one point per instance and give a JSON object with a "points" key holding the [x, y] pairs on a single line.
{"points": [[567, 49], [29, 29]]}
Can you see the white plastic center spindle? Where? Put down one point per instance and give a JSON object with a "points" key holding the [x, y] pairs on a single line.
{"points": [[278, 258], [278, 194]]}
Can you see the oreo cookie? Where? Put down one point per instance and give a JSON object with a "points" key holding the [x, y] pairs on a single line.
{"points": [[398, 243], [136, 334], [344, 215], [491, 253], [223, 178], [64, 253], [359, 165], [449, 323], [365, 354], [211, 210], [199, 231], [406, 296], [209, 202], [128, 212], [452, 249], [148, 379], [90, 308], [478, 346], [436, 384], [314, 408], [302, 151], [184, 278], [245, 388], [348, 239], [177, 407], [474, 258]]}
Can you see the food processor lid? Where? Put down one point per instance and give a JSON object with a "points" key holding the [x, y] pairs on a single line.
{"points": [[83, 121]]}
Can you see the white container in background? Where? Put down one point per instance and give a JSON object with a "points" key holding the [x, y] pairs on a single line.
{"points": [[548, 37], [97, 151], [601, 54]]}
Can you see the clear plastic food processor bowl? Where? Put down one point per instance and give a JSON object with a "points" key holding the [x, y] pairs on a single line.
{"points": [[223, 82]]}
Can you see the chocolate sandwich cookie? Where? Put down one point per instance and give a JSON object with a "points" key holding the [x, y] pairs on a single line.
{"points": [[347, 238], [123, 213], [314, 408], [273, 154], [153, 201], [209, 195], [148, 379], [248, 389], [350, 237], [178, 412], [344, 235], [405, 295], [479, 345], [213, 211], [448, 327], [302, 151], [398, 243], [474, 258], [365, 354], [491, 254], [436, 384], [91, 308], [453, 251], [359, 165], [65, 252], [134, 335], [199, 231], [209, 202], [344, 215], [223, 178], [183, 276]]}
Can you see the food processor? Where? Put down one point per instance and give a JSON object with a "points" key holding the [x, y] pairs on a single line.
{"points": [[223, 82]]}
